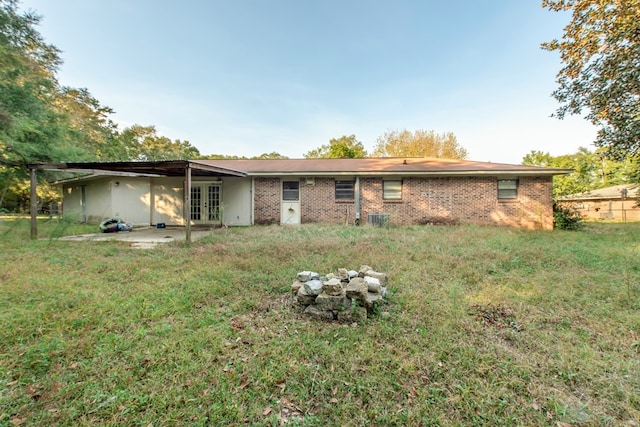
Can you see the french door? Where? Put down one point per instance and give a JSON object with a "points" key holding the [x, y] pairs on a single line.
{"points": [[206, 203]]}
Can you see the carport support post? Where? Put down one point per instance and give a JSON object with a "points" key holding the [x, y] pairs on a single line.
{"points": [[187, 202], [34, 204]]}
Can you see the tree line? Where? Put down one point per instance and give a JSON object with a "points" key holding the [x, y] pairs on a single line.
{"points": [[42, 120], [592, 169]]}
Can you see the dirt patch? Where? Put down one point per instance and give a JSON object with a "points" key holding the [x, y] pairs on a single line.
{"points": [[496, 316]]}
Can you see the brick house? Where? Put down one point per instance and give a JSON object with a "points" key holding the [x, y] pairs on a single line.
{"points": [[619, 202], [292, 191]]}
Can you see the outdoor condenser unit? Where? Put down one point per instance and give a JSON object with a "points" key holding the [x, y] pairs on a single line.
{"points": [[379, 219]]}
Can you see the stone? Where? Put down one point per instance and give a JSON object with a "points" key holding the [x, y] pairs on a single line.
{"points": [[353, 314], [357, 289], [344, 295], [382, 277], [332, 302], [304, 298], [305, 276], [363, 270], [373, 284], [318, 313], [295, 286], [313, 287], [333, 287], [372, 300]]}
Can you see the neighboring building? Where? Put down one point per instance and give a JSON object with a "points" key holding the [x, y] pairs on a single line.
{"points": [[292, 191], [618, 202]]}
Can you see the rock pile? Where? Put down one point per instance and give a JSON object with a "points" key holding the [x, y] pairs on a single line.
{"points": [[346, 296]]}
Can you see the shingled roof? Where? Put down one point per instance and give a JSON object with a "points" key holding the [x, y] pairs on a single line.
{"points": [[375, 166], [607, 193]]}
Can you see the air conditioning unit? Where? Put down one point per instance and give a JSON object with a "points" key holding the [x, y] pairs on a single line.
{"points": [[310, 182], [379, 219]]}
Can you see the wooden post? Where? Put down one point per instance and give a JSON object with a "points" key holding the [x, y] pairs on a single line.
{"points": [[187, 201], [34, 204]]}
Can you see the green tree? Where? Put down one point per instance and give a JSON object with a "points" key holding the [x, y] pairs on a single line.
{"points": [[345, 147], [421, 143], [88, 124], [600, 52], [591, 170], [272, 155], [32, 129], [221, 157], [143, 143], [539, 158], [29, 127]]}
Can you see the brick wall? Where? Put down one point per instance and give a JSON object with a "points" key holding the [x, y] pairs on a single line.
{"points": [[318, 203], [424, 200], [267, 200]]}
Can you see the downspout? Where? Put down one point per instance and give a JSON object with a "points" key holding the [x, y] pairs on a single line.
{"points": [[357, 195], [252, 200]]}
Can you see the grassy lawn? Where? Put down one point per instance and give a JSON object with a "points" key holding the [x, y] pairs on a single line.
{"points": [[483, 326]]}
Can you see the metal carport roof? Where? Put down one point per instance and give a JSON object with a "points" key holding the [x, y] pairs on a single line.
{"points": [[186, 168]]}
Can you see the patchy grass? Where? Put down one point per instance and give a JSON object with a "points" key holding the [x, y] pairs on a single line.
{"points": [[486, 326]]}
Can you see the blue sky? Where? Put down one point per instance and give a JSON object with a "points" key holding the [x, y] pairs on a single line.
{"points": [[252, 76]]}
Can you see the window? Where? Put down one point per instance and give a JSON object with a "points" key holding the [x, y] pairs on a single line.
{"points": [[344, 190], [507, 188], [392, 190], [290, 190]]}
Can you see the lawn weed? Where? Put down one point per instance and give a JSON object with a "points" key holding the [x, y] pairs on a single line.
{"points": [[483, 326]]}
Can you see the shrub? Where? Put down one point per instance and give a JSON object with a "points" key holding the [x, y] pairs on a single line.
{"points": [[566, 218]]}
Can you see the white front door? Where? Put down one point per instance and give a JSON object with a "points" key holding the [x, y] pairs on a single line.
{"points": [[206, 203], [290, 203]]}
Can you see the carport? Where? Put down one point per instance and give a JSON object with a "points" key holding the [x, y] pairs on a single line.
{"points": [[166, 168]]}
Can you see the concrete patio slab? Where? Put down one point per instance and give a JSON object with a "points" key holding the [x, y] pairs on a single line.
{"points": [[144, 238]]}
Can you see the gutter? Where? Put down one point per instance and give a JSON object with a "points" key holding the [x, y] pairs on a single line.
{"points": [[416, 173]]}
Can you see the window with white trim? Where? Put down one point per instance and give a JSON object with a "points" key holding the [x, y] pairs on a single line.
{"points": [[392, 190], [507, 189]]}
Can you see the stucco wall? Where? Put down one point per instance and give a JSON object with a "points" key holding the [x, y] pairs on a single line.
{"points": [[97, 200], [127, 198], [166, 201], [72, 202], [236, 201], [131, 200]]}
